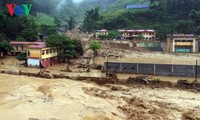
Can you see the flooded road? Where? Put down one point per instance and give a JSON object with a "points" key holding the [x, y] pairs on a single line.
{"points": [[28, 97]]}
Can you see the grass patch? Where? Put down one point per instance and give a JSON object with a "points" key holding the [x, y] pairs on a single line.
{"points": [[44, 19]]}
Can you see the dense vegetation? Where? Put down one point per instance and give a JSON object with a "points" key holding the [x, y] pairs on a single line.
{"points": [[68, 48], [165, 16]]}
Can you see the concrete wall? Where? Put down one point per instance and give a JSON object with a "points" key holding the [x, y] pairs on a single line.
{"points": [[154, 69], [147, 44]]}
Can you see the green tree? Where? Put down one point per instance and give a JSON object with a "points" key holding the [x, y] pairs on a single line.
{"points": [[57, 22], [68, 48], [21, 57], [95, 46], [19, 38], [140, 37], [29, 35], [71, 23], [91, 17], [5, 47], [112, 34], [48, 30]]}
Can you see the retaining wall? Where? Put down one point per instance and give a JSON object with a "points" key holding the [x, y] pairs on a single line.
{"points": [[154, 69]]}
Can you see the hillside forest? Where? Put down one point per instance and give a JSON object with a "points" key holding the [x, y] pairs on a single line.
{"points": [[165, 16]]}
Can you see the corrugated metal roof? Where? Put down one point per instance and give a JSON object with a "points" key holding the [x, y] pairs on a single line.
{"points": [[136, 6], [137, 30]]}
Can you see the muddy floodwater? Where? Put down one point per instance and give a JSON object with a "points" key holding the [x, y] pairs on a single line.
{"points": [[26, 98]]}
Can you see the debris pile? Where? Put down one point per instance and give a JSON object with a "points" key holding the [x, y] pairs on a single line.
{"points": [[112, 54], [45, 74]]}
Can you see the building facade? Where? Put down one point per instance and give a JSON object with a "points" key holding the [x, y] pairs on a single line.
{"points": [[133, 34], [19, 47], [183, 43], [101, 32], [39, 55]]}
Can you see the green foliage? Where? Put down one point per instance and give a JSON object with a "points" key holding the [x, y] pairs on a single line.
{"points": [[44, 19], [91, 17], [140, 37], [11, 27], [112, 34], [21, 56], [68, 48], [165, 16], [95, 46], [57, 22], [71, 23], [48, 30], [185, 26], [29, 34], [5, 47], [157, 80], [19, 38]]}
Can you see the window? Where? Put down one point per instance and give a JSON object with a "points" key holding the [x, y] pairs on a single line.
{"points": [[125, 68], [50, 50], [43, 52], [16, 47], [184, 41], [28, 52]]}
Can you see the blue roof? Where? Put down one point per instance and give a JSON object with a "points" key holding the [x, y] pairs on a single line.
{"points": [[136, 6]]}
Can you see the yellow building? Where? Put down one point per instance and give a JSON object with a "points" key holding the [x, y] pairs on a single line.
{"points": [[101, 32], [184, 43], [38, 55], [19, 47], [133, 34]]}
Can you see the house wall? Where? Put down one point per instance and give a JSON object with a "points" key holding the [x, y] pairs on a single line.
{"points": [[33, 62], [48, 53], [19, 48], [34, 53], [147, 35]]}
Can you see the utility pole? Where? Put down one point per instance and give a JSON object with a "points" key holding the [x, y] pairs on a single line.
{"points": [[107, 66], [196, 71]]}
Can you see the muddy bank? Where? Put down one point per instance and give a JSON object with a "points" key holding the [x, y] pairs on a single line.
{"points": [[139, 80]]}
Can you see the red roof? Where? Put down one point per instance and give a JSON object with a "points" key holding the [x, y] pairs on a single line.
{"points": [[137, 30], [32, 44], [18, 43], [38, 45]]}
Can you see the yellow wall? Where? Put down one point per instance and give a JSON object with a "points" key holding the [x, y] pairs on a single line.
{"points": [[53, 53], [34, 53], [42, 53], [184, 43], [102, 33]]}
